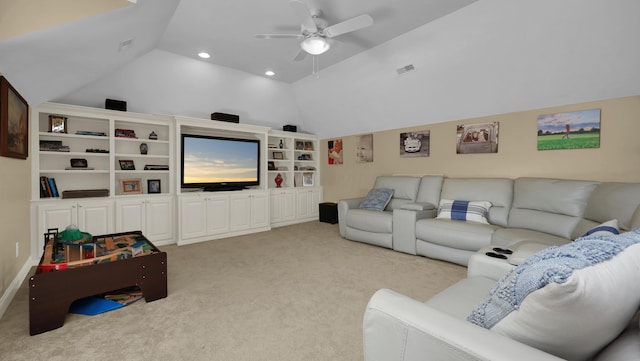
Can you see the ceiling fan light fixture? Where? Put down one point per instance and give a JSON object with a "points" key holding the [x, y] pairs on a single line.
{"points": [[315, 45]]}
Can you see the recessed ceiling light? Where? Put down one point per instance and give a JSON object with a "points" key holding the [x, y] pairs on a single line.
{"points": [[269, 73], [204, 55]]}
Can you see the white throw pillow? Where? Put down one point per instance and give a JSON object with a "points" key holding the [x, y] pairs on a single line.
{"points": [[571, 300], [606, 228], [474, 211]]}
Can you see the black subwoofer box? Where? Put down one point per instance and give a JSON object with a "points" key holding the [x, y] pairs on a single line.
{"points": [[231, 118], [328, 212], [115, 105]]}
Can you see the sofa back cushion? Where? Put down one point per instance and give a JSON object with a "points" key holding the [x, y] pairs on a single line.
{"points": [[497, 191], [405, 189], [611, 200], [430, 188], [553, 206]]}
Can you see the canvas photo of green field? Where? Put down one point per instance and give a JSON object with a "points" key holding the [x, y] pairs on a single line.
{"points": [[572, 130]]}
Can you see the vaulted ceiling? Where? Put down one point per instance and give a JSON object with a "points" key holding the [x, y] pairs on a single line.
{"points": [[92, 38]]}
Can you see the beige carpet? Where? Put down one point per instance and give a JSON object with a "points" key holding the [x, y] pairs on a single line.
{"points": [[294, 293]]}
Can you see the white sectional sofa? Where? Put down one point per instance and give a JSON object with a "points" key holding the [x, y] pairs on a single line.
{"points": [[542, 210], [588, 312]]}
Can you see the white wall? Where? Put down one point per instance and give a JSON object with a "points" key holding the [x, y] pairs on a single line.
{"points": [[165, 83], [491, 57]]}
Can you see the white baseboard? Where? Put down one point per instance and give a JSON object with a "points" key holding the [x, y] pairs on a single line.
{"points": [[11, 291]]}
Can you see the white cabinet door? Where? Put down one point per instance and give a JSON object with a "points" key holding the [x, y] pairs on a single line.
{"points": [[308, 201], [259, 209], [282, 205], [159, 218], [130, 215], [58, 215], [95, 217], [217, 214], [193, 217], [239, 212]]}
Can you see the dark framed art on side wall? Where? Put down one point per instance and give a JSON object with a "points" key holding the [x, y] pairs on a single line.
{"points": [[14, 122]]}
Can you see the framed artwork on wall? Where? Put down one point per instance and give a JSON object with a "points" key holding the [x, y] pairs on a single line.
{"points": [[364, 152], [477, 138], [14, 122], [414, 144], [571, 130], [334, 148]]}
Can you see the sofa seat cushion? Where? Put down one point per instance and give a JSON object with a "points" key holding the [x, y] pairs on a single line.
{"points": [[571, 300], [508, 236], [470, 236], [461, 298], [371, 221]]}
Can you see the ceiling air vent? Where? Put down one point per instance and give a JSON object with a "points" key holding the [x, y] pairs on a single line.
{"points": [[405, 69]]}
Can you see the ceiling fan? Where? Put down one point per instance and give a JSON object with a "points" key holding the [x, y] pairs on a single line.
{"points": [[314, 30]]}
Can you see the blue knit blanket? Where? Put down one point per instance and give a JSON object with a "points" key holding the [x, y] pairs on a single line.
{"points": [[551, 265]]}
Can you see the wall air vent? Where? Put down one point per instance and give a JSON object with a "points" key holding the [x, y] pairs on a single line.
{"points": [[405, 69], [125, 45]]}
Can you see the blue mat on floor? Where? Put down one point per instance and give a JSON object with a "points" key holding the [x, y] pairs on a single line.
{"points": [[92, 306]]}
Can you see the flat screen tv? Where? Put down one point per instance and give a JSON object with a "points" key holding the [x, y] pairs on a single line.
{"points": [[219, 163]]}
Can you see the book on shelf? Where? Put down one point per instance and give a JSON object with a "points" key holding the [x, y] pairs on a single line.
{"points": [[87, 132], [79, 168], [53, 146], [126, 133], [48, 188]]}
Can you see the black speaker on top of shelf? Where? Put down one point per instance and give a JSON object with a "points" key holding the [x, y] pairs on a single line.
{"points": [[289, 128], [231, 118], [112, 104]]}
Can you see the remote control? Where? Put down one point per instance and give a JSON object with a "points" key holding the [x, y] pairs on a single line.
{"points": [[496, 255]]}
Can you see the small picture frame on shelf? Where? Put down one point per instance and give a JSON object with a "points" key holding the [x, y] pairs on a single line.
{"points": [[299, 145], [57, 124], [307, 179], [278, 155], [131, 186], [271, 165], [308, 145], [127, 164], [153, 186]]}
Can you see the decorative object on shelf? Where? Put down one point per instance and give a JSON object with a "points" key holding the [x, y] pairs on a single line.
{"points": [[127, 164], [125, 133], [278, 155], [14, 122], [156, 167], [153, 186], [299, 145], [53, 146], [88, 132], [281, 145], [95, 150], [271, 165], [305, 156], [153, 136], [278, 179], [131, 186], [307, 179], [144, 148], [57, 124], [78, 163], [85, 193]]}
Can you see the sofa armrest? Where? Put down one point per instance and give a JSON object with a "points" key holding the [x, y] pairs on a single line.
{"points": [[397, 327], [404, 227], [344, 205], [418, 206]]}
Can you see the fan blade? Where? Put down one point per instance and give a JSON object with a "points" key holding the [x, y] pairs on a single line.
{"points": [[303, 14], [279, 36], [301, 55], [347, 26]]}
